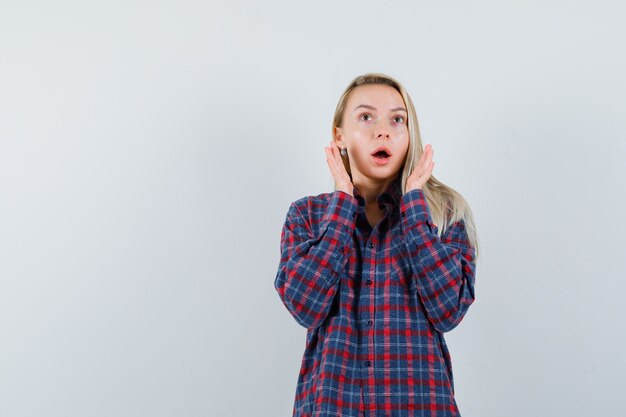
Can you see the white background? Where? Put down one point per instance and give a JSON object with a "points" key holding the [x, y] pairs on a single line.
{"points": [[149, 152]]}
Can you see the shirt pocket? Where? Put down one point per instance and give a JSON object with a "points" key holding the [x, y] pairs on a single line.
{"points": [[401, 274]]}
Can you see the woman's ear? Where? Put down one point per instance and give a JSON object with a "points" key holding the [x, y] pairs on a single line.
{"points": [[338, 136]]}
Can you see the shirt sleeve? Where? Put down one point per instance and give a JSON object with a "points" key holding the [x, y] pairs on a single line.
{"points": [[444, 268], [311, 264]]}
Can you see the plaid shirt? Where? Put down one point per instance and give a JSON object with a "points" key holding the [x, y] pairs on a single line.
{"points": [[375, 303]]}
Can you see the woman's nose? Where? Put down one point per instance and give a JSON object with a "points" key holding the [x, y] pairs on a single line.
{"points": [[382, 132], [382, 129]]}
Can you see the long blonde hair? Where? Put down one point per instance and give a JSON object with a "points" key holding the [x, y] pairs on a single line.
{"points": [[445, 204]]}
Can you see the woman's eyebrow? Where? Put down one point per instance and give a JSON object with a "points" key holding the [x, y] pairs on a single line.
{"points": [[367, 106]]}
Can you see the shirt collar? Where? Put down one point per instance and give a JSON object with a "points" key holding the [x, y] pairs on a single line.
{"points": [[391, 195]]}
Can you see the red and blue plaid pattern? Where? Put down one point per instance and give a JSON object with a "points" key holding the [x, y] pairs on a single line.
{"points": [[375, 303]]}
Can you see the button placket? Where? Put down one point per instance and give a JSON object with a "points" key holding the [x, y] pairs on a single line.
{"points": [[370, 323]]}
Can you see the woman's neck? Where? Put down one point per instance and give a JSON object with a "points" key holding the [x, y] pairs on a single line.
{"points": [[371, 189]]}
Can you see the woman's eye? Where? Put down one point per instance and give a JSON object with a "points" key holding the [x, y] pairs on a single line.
{"points": [[366, 115], [401, 119]]}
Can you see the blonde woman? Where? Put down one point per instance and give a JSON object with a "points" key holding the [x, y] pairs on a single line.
{"points": [[379, 269]]}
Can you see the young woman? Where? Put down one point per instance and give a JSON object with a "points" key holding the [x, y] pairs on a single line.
{"points": [[378, 269]]}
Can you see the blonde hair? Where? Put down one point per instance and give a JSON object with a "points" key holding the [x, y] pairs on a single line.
{"points": [[445, 204]]}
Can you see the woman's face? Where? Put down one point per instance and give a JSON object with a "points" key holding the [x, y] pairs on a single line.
{"points": [[375, 115]]}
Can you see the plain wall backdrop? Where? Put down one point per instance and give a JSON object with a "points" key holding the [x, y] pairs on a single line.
{"points": [[149, 152]]}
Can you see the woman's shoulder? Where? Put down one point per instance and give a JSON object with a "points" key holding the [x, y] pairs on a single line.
{"points": [[320, 209], [308, 211], [313, 203]]}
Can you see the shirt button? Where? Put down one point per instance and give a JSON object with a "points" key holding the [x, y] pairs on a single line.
{"points": [[371, 245], [403, 214], [368, 363], [368, 282], [369, 323]]}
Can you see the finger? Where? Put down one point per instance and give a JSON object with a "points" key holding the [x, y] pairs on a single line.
{"points": [[336, 152], [430, 157], [428, 151], [336, 164], [423, 165], [330, 159], [421, 158], [427, 158], [341, 168], [332, 170], [331, 150], [332, 155], [429, 172]]}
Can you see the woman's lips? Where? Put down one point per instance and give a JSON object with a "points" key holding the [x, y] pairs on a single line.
{"points": [[381, 160]]}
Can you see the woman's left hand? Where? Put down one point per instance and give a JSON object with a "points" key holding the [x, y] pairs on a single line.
{"points": [[422, 172]]}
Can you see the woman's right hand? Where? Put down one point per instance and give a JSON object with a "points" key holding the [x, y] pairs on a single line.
{"points": [[337, 169]]}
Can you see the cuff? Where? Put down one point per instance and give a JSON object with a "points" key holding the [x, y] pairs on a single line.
{"points": [[415, 213], [342, 208]]}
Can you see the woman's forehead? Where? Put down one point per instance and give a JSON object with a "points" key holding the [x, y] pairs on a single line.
{"points": [[375, 95]]}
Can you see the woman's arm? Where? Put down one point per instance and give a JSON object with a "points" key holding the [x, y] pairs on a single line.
{"points": [[310, 265], [444, 268]]}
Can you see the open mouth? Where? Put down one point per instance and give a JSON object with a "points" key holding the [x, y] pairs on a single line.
{"points": [[381, 153]]}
